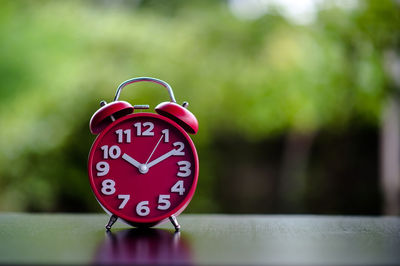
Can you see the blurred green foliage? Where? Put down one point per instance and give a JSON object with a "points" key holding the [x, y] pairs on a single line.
{"points": [[254, 78]]}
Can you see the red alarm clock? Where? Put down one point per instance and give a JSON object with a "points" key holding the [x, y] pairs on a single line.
{"points": [[143, 167]]}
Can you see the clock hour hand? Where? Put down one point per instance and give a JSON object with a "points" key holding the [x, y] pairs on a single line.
{"points": [[130, 160], [161, 158]]}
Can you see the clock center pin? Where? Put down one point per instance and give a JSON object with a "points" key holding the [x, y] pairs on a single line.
{"points": [[143, 169]]}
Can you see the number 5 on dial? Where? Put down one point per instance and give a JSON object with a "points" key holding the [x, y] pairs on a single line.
{"points": [[163, 202]]}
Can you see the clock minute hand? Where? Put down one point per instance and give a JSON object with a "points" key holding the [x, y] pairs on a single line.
{"points": [[161, 158]]}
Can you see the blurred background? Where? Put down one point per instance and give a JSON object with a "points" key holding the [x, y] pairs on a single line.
{"points": [[297, 101]]}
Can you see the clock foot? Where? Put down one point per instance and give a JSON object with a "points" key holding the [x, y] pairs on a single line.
{"points": [[112, 221], [175, 223]]}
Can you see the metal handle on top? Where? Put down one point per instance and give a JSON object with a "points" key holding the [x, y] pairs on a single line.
{"points": [[148, 79]]}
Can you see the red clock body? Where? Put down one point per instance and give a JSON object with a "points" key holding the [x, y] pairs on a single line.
{"points": [[143, 168]]}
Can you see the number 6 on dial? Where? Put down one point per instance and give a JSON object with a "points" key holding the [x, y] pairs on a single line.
{"points": [[142, 209]]}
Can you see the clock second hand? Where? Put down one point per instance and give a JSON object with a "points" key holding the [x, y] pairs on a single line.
{"points": [[154, 149]]}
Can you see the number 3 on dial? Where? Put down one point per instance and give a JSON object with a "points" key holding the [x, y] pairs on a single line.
{"points": [[184, 169]]}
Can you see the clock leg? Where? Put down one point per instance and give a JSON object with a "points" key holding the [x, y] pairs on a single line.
{"points": [[112, 221], [175, 223]]}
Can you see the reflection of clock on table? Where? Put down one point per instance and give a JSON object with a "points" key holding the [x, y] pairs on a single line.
{"points": [[143, 167], [136, 246]]}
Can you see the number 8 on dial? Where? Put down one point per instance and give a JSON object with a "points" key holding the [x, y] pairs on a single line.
{"points": [[143, 167]]}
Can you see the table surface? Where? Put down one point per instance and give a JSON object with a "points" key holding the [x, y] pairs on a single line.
{"points": [[204, 239]]}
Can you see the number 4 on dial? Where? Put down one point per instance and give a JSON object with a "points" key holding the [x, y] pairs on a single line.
{"points": [[178, 188]]}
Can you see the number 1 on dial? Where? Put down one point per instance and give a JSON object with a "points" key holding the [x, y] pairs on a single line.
{"points": [[166, 135]]}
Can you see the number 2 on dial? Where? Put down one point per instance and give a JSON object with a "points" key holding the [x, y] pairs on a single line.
{"points": [[179, 151]]}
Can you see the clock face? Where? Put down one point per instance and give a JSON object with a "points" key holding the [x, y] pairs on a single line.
{"points": [[143, 168]]}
